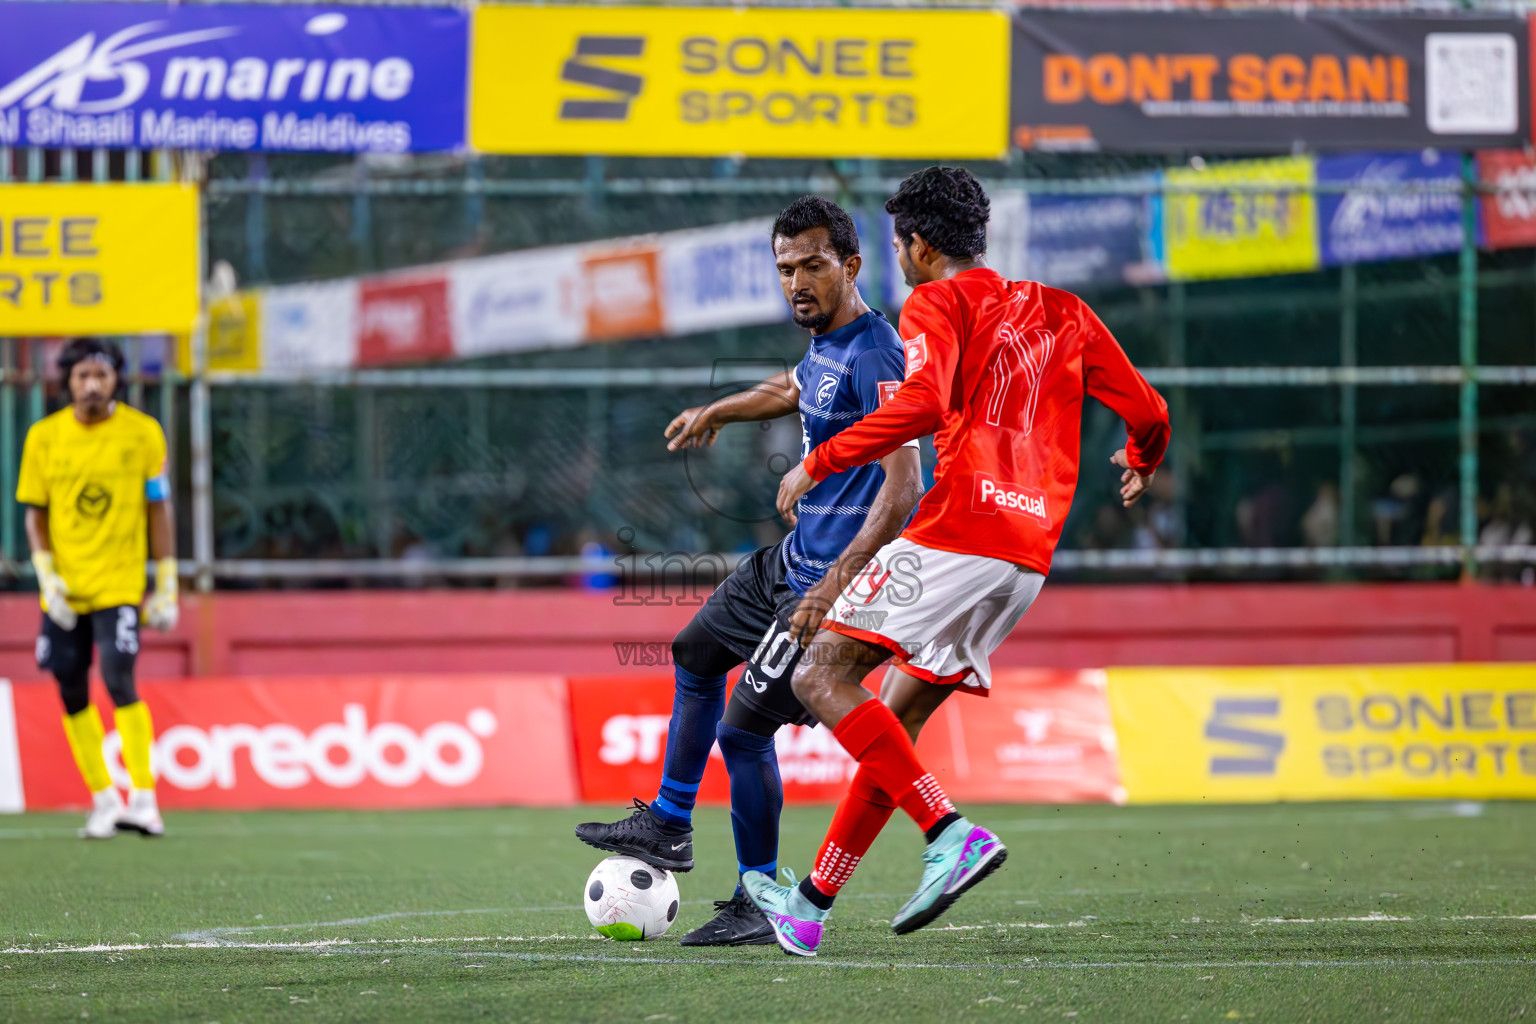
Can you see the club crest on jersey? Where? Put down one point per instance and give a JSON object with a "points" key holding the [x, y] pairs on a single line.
{"points": [[917, 353], [991, 496], [825, 389]]}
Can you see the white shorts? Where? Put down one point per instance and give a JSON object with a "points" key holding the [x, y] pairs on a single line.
{"points": [[941, 613]]}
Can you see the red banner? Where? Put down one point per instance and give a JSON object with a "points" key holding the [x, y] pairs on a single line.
{"points": [[403, 320], [1042, 736], [372, 741], [1509, 217]]}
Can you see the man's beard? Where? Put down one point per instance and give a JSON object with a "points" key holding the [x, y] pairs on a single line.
{"points": [[816, 323]]}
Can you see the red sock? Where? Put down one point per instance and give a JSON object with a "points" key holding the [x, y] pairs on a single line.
{"points": [[862, 814], [874, 737]]}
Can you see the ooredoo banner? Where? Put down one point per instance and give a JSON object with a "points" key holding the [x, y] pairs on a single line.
{"points": [[233, 76], [322, 742], [761, 82], [1267, 82], [1310, 733]]}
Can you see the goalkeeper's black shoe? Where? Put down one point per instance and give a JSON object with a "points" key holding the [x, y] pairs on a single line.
{"points": [[642, 835], [737, 923]]}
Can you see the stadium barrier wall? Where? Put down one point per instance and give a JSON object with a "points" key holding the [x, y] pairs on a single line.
{"points": [[571, 632], [1232, 734]]}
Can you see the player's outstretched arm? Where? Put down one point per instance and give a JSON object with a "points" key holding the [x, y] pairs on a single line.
{"points": [[888, 514], [1109, 376], [698, 427]]}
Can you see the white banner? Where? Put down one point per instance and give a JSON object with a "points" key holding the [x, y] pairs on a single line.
{"points": [[515, 301], [11, 797], [309, 326], [721, 276]]}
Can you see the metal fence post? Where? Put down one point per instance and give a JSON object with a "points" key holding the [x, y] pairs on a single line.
{"points": [[202, 433], [1467, 333], [1348, 414], [8, 451]]}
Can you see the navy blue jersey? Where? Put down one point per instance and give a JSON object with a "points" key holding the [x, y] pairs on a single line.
{"points": [[843, 376]]}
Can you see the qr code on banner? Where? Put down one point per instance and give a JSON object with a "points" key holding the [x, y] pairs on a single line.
{"points": [[1471, 81]]}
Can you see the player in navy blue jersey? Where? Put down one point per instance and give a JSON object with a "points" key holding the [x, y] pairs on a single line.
{"points": [[855, 362]]}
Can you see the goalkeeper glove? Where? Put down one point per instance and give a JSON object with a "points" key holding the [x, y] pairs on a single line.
{"points": [[160, 610], [54, 590]]}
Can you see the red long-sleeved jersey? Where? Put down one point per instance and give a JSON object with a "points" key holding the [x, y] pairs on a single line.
{"points": [[997, 370]]}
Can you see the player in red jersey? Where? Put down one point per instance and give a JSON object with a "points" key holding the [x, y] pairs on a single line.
{"points": [[997, 371]]}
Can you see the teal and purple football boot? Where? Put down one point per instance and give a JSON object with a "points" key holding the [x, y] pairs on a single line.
{"points": [[796, 920], [963, 855]]}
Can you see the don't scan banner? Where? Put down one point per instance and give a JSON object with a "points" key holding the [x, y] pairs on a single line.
{"points": [[1268, 82], [1336, 733]]}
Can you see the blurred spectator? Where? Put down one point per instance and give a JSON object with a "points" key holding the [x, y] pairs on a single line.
{"points": [[1159, 518], [1399, 515], [1440, 520], [1509, 524], [1320, 523], [1261, 517], [1108, 530]]}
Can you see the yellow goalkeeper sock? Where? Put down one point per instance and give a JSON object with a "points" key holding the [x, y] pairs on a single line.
{"points": [[85, 735], [138, 732]]}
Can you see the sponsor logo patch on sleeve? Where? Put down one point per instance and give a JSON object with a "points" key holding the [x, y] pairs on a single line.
{"points": [[917, 353], [887, 389]]}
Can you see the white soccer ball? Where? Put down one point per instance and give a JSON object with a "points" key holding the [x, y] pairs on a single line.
{"points": [[629, 900]]}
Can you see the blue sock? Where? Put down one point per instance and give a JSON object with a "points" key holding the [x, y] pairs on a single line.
{"points": [[757, 797], [696, 709]]}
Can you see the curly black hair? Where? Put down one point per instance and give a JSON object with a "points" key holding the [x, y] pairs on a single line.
{"points": [[946, 205], [81, 349], [810, 212]]}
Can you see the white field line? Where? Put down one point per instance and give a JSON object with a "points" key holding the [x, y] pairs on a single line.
{"points": [[1383, 919], [1312, 816], [1024, 963], [207, 940]]}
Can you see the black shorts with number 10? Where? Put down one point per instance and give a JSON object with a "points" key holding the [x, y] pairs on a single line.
{"points": [[749, 613]]}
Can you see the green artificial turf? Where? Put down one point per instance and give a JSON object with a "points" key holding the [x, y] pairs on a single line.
{"points": [[1333, 912]]}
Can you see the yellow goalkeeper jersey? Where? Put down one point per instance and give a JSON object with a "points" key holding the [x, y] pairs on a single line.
{"points": [[96, 482]]}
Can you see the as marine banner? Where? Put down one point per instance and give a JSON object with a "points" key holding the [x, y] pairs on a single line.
{"points": [[1268, 82], [757, 82], [234, 77], [98, 259]]}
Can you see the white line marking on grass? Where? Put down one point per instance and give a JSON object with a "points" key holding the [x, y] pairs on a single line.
{"points": [[1026, 963], [1171, 826], [1009, 924], [1383, 918]]}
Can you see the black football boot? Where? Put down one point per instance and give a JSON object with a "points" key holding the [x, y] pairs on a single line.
{"points": [[642, 835], [737, 922]]}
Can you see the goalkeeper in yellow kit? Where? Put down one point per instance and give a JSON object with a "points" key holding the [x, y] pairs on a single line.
{"points": [[93, 480]]}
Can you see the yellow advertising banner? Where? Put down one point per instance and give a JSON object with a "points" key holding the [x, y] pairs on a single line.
{"points": [[98, 259], [234, 335], [1309, 733], [722, 81], [1238, 233]]}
